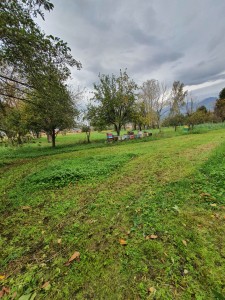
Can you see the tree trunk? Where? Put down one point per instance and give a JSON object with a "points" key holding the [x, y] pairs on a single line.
{"points": [[53, 137], [158, 123], [88, 136], [49, 137], [175, 127], [117, 129], [19, 139]]}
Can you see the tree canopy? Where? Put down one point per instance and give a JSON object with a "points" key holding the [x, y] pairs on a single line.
{"points": [[153, 96], [25, 48], [222, 94], [176, 102], [115, 100], [28, 57], [220, 106], [177, 98], [34, 66]]}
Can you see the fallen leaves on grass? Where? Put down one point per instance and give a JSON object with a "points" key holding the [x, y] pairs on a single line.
{"points": [[59, 241], [205, 195], [213, 204], [176, 208], [25, 207], [75, 256], [2, 277], [46, 286], [185, 243], [152, 290], [123, 242], [4, 291], [151, 237]]}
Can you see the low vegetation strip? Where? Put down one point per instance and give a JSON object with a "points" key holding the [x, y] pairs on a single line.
{"points": [[151, 227], [69, 171]]}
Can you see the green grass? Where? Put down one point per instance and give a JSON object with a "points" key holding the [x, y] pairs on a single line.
{"points": [[72, 142], [87, 197]]}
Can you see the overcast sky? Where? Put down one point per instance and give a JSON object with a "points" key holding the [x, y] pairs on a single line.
{"points": [[162, 39]]}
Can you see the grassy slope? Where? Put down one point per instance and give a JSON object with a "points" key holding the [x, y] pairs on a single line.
{"points": [[165, 187]]}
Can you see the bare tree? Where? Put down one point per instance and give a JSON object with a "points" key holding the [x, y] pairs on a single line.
{"points": [[161, 103], [154, 96], [189, 104]]}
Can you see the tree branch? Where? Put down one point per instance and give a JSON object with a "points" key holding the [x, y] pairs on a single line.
{"points": [[18, 98], [16, 81]]}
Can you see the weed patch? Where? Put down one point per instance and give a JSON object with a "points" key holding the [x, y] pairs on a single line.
{"points": [[69, 171]]}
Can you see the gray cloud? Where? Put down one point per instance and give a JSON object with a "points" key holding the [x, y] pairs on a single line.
{"points": [[162, 57], [166, 40], [202, 72]]}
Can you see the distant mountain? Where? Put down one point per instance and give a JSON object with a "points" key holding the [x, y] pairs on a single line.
{"points": [[209, 103]]}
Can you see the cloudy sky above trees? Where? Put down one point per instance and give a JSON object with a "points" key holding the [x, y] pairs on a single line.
{"points": [[162, 39]]}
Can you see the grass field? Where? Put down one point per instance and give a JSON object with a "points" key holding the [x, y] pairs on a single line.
{"points": [[142, 219]]}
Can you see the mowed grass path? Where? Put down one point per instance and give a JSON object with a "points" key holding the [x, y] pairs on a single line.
{"points": [[135, 191]]}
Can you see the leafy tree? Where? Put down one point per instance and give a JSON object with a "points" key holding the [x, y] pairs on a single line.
{"points": [[54, 109], [87, 130], [139, 115], [202, 109], [176, 120], [115, 100], [12, 115], [222, 94], [177, 98], [95, 118], [219, 109], [13, 121], [25, 48], [200, 116], [27, 55], [34, 66]]}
